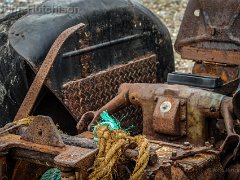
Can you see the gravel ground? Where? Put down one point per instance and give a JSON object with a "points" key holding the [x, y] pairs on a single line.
{"points": [[169, 11]]}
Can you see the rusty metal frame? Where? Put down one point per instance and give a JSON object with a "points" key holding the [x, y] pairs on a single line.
{"points": [[209, 32]]}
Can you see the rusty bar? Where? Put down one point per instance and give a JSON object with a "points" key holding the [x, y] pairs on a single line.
{"points": [[226, 72], [133, 155], [210, 55], [103, 45], [80, 142], [31, 97]]}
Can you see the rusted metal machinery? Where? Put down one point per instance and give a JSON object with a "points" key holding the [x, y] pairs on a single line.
{"points": [[191, 122], [80, 65], [183, 115], [211, 38]]}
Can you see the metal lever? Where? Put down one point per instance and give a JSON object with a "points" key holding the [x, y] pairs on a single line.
{"points": [[33, 92]]}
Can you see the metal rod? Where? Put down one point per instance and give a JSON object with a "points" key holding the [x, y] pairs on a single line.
{"points": [[103, 45], [35, 88]]}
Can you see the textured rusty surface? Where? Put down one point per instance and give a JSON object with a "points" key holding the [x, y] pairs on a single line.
{"points": [[77, 141], [33, 157], [43, 131], [33, 92], [227, 73], [179, 162], [209, 31], [93, 92], [172, 152]]}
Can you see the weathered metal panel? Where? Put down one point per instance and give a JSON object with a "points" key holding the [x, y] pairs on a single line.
{"points": [[93, 92], [210, 31]]}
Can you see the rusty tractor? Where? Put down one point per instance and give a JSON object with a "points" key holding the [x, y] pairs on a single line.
{"points": [[67, 68]]}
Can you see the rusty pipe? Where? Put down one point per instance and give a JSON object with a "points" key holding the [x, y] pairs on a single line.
{"points": [[91, 117]]}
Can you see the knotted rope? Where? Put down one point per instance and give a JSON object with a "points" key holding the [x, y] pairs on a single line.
{"points": [[111, 144]]}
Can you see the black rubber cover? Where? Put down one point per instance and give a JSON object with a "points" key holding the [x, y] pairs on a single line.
{"points": [[195, 80]]}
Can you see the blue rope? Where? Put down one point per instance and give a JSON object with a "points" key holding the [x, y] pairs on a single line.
{"points": [[51, 174]]}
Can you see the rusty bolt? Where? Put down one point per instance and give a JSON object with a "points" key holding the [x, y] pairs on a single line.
{"points": [[187, 144], [165, 106]]}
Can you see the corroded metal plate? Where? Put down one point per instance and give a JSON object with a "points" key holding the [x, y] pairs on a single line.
{"points": [[210, 31], [93, 92]]}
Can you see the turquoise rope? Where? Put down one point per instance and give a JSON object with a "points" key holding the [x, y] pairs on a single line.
{"points": [[51, 174]]}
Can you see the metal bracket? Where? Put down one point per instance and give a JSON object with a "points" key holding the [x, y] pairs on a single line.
{"points": [[42, 130]]}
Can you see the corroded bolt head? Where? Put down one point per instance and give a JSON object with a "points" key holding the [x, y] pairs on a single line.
{"points": [[186, 144], [165, 106]]}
